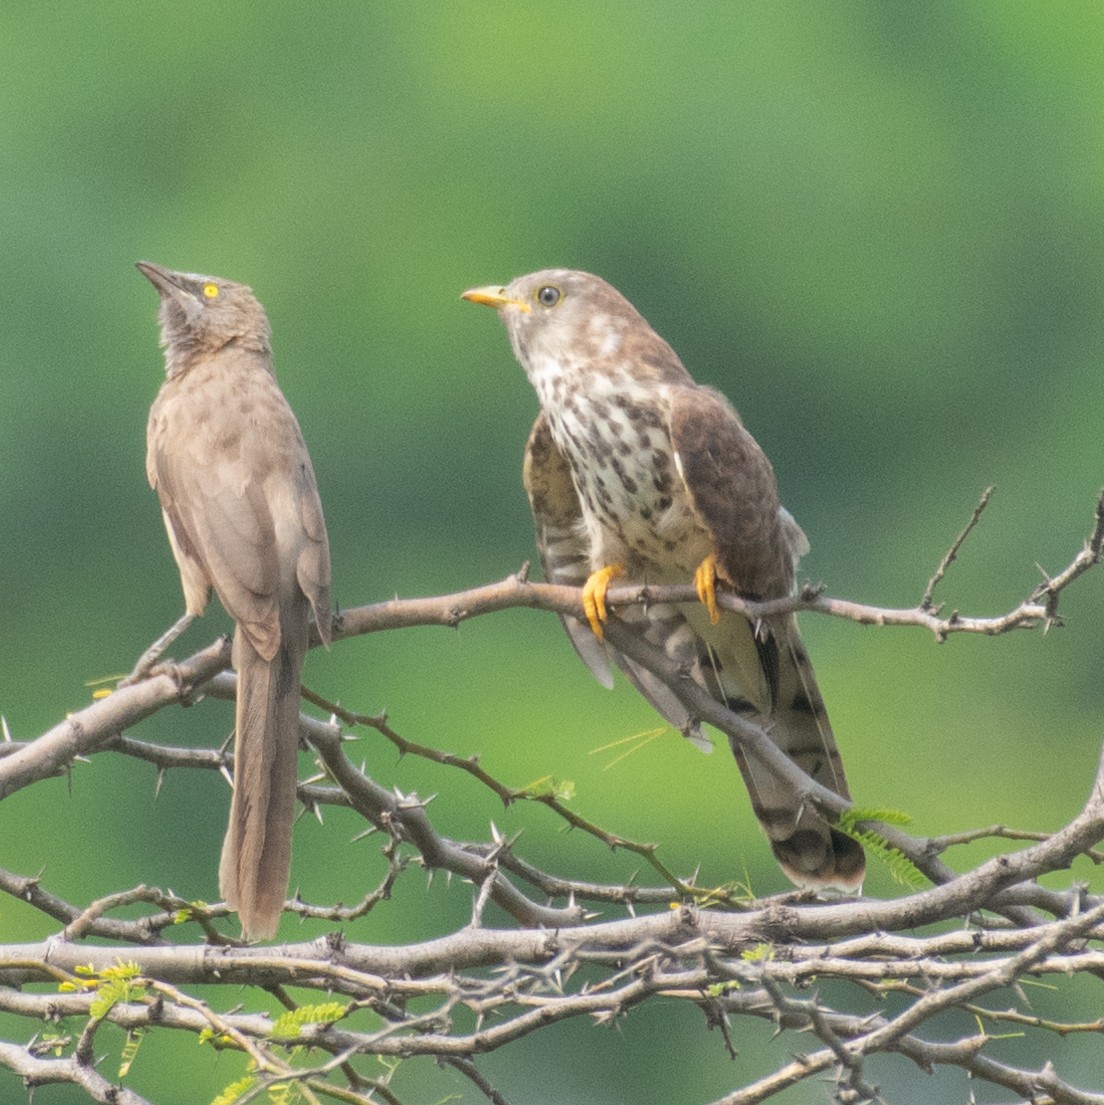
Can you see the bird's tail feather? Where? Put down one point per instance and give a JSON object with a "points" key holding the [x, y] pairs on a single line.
{"points": [[664, 626], [813, 854], [256, 854]]}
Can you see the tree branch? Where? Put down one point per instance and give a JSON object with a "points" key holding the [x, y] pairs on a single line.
{"points": [[482, 988]]}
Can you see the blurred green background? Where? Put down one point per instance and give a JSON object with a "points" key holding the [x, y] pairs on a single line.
{"points": [[877, 227]]}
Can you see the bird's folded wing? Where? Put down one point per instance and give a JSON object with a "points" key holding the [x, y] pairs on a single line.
{"points": [[561, 542], [226, 525], [312, 568]]}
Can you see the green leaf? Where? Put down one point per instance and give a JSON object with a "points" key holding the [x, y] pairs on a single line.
{"points": [[235, 1090], [563, 790], [900, 867], [289, 1024], [130, 1049], [719, 989], [760, 953]]}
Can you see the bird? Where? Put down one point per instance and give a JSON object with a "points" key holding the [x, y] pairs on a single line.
{"points": [[635, 472], [241, 508]]}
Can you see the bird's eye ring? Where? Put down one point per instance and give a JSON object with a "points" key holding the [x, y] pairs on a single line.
{"points": [[548, 296], [210, 291]]}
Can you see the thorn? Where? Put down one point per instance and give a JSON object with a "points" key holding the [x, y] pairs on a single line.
{"points": [[224, 771], [158, 781], [4, 726]]}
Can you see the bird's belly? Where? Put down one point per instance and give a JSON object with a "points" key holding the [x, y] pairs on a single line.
{"points": [[637, 512]]}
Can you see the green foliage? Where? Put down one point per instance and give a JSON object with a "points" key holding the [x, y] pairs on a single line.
{"points": [[288, 1025], [758, 953], [903, 870], [130, 1050], [235, 1090], [112, 985], [55, 1043], [719, 989], [563, 790], [726, 894], [286, 1093], [193, 909], [115, 985]]}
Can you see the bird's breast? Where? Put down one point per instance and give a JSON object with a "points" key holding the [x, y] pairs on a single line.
{"points": [[635, 506]]}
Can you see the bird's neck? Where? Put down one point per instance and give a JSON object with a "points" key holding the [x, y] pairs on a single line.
{"points": [[563, 383], [183, 351]]}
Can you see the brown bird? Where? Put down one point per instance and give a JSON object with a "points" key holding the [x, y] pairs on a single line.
{"points": [[636, 472], [241, 508]]}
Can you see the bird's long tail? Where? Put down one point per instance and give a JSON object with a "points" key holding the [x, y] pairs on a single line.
{"points": [[256, 855], [813, 854], [764, 674]]}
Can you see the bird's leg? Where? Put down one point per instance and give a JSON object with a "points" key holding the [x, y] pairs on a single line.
{"points": [[705, 582], [594, 595], [153, 653]]}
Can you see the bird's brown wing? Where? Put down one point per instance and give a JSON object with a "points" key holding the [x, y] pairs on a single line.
{"points": [[237, 502], [565, 558], [218, 516], [762, 671], [561, 541], [313, 566]]}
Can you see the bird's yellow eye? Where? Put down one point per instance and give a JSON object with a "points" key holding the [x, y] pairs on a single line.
{"points": [[211, 291], [548, 296]]}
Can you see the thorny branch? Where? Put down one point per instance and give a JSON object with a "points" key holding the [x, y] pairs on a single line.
{"points": [[927, 957], [951, 555]]}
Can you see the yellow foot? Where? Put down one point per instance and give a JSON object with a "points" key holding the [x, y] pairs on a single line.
{"points": [[594, 595], [705, 581]]}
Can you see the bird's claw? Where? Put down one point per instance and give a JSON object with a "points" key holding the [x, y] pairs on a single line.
{"points": [[594, 596], [150, 669], [705, 583], [142, 670]]}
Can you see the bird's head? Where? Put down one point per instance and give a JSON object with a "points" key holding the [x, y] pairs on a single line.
{"points": [[202, 314], [557, 312], [574, 318]]}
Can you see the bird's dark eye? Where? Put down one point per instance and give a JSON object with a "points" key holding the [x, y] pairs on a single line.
{"points": [[548, 296]]}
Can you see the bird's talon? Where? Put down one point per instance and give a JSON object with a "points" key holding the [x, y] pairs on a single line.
{"points": [[594, 596], [172, 669], [705, 583], [136, 676]]}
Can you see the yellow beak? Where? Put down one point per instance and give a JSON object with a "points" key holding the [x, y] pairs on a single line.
{"points": [[494, 297]]}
